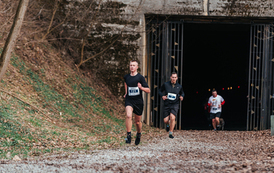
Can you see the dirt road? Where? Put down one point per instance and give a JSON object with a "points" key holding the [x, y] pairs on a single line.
{"points": [[189, 151]]}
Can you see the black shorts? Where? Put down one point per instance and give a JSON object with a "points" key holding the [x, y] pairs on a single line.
{"points": [[171, 108], [137, 108], [214, 115]]}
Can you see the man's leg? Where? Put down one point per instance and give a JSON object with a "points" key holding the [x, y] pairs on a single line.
{"points": [[217, 119], [172, 122], [214, 123], [138, 123], [172, 125], [139, 128], [212, 116], [166, 120], [129, 111]]}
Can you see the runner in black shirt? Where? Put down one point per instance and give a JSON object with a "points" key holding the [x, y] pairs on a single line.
{"points": [[171, 92], [134, 85]]}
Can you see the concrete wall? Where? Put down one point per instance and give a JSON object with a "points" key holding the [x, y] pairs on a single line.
{"points": [[137, 9], [256, 8]]}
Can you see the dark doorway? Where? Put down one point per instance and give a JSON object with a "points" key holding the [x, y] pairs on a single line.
{"points": [[215, 56]]}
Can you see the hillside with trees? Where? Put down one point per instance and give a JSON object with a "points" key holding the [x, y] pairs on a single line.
{"points": [[56, 94]]}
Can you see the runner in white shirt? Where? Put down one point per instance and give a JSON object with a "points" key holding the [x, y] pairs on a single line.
{"points": [[215, 102]]}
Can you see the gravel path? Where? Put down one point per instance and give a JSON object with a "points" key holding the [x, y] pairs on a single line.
{"points": [[189, 151]]}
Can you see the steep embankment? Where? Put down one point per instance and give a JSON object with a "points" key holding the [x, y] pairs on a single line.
{"points": [[47, 106]]}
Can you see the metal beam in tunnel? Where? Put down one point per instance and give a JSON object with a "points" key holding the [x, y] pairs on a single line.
{"points": [[165, 56], [260, 82]]}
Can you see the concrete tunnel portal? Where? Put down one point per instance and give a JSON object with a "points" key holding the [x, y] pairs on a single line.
{"points": [[206, 55]]}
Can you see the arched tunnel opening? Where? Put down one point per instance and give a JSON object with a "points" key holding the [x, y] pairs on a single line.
{"points": [[215, 56]]}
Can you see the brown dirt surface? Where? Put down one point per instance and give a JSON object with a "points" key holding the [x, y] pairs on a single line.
{"points": [[189, 151]]}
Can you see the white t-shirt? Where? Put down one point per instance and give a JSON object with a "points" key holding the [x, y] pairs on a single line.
{"points": [[216, 101]]}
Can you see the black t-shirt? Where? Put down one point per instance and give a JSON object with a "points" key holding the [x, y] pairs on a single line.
{"points": [[134, 94]]}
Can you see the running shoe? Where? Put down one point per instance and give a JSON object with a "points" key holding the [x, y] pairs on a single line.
{"points": [[128, 139], [167, 128], [214, 129], [138, 139], [171, 136]]}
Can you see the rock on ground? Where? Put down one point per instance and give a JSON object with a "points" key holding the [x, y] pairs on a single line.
{"points": [[189, 151]]}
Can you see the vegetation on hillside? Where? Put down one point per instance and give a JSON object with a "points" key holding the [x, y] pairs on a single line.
{"points": [[47, 103], [47, 106]]}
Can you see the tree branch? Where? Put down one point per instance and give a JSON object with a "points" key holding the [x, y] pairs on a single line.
{"points": [[52, 17], [82, 62], [14, 32]]}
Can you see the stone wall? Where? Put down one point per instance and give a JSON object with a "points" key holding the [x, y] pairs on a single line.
{"points": [[137, 9], [255, 8], [251, 8]]}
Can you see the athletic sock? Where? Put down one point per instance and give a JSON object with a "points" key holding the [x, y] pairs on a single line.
{"points": [[128, 133]]}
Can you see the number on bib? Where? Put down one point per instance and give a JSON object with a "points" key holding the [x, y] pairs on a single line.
{"points": [[171, 96], [133, 91]]}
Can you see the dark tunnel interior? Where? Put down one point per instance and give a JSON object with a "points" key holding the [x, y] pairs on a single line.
{"points": [[215, 56]]}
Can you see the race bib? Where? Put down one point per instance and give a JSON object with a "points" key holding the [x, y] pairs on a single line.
{"points": [[215, 109], [133, 91], [171, 96]]}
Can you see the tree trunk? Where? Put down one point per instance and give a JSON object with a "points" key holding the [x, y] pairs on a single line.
{"points": [[14, 32]]}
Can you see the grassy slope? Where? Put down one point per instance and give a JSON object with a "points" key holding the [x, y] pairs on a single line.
{"points": [[46, 106]]}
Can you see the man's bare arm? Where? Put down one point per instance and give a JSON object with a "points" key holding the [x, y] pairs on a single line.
{"points": [[147, 90], [125, 90]]}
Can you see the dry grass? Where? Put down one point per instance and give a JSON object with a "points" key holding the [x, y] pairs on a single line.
{"points": [[55, 108], [48, 105]]}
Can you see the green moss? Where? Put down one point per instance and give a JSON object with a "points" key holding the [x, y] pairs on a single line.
{"points": [[18, 138]]}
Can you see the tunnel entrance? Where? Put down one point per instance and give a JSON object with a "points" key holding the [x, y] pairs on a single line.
{"points": [[216, 56], [231, 55]]}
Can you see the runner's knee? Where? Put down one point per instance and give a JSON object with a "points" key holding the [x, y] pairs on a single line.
{"points": [[172, 117], [166, 120], [129, 112], [137, 122], [129, 115]]}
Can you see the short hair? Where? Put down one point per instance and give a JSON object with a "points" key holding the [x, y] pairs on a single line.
{"points": [[214, 91], [134, 61], [173, 73]]}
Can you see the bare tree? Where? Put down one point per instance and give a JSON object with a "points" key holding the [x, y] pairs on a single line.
{"points": [[14, 31], [97, 36]]}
